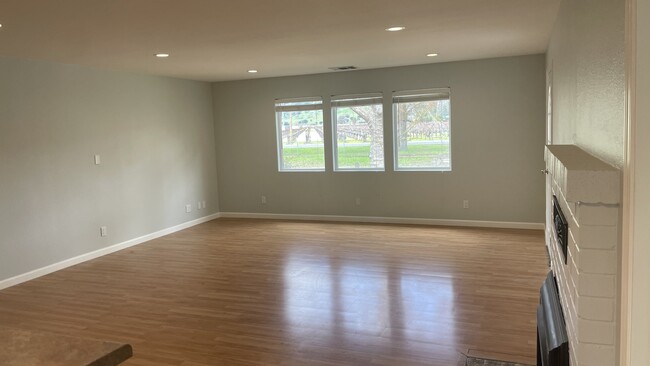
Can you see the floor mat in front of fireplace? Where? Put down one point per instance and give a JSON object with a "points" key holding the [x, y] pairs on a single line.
{"points": [[473, 361]]}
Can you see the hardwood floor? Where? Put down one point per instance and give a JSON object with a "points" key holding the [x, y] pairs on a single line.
{"points": [[252, 292]]}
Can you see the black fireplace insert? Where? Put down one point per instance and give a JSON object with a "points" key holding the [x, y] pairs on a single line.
{"points": [[561, 228]]}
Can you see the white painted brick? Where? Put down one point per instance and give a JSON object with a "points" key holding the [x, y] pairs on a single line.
{"points": [[573, 358], [570, 313], [566, 292], [598, 215], [574, 236], [598, 237], [596, 261], [556, 256], [573, 253], [553, 263], [596, 308], [571, 215], [570, 298], [596, 355], [587, 282], [575, 278], [572, 330], [591, 331], [551, 254], [572, 322], [556, 188], [557, 168], [573, 292], [560, 277], [595, 285], [550, 163]]}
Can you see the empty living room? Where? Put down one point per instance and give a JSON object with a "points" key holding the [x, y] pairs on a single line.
{"points": [[300, 182]]}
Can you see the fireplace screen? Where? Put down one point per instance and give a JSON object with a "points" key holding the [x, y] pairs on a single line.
{"points": [[552, 340]]}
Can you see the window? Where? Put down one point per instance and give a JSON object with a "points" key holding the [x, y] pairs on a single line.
{"points": [[358, 132], [300, 134], [422, 130]]}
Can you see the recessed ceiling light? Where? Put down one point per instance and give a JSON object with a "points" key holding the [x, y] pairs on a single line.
{"points": [[432, 54], [395, 29], [252, 71], [162, 55]]}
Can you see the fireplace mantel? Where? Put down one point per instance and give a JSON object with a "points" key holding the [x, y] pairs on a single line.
{"points": [[582, 177]]}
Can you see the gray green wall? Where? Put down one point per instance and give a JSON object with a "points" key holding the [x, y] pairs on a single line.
{"points": [[586, 54], [156, 137], [498, 134], [156, 140]]}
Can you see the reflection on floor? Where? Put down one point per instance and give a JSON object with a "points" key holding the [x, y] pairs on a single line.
{"points": [[249, 292], [344, 298]]}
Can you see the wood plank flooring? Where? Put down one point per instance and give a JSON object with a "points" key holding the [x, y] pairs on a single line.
{"points": [[255, 292]]}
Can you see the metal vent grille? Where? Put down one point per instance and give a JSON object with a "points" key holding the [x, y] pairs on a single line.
{"points": [[343, 68]]}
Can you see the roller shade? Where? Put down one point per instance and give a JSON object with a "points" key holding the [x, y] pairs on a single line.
{"points": [[298, 104], [339, 101], [411, 96]]}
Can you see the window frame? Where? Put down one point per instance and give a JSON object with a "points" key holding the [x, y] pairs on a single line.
{"points": [[335, 142], [418, 93], [278, 129]]}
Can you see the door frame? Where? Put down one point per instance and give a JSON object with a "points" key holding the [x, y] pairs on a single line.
{"points": [[549, 141], [635, 256]]}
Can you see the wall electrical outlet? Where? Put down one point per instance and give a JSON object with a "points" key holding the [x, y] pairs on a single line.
{"points": [[357, 201], [188, 208], [98, 159], [465, 204], [103, 231], [263, 200]]}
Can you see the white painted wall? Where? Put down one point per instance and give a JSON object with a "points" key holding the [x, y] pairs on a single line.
{"points": [[498, 134], [155, 136], [586, 53]]}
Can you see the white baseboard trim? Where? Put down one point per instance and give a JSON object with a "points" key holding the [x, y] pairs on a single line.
{"points": [[101, 252], [268, 216], [388, 220]]}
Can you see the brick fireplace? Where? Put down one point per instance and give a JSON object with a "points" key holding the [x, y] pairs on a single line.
{"points": [[588, 195]]}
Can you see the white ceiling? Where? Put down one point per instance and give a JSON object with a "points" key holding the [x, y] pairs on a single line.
{"points": [[216, 40]]}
